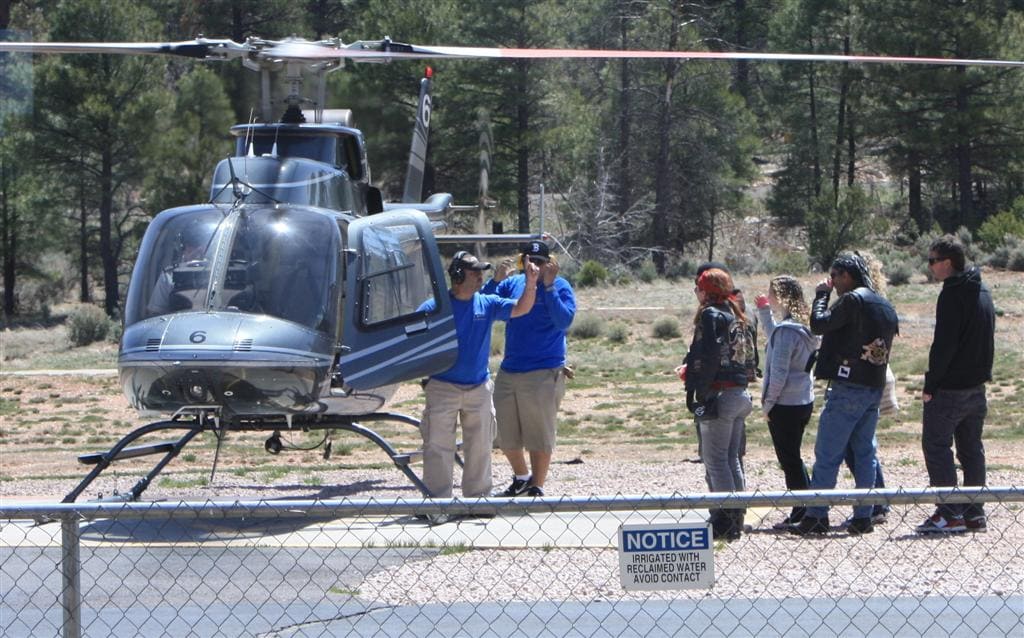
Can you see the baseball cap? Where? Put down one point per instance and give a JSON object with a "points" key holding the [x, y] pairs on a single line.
{"points": [[537, 250], [469, 262]]}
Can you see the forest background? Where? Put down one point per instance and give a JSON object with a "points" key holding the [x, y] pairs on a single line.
{"points": [[649, 166]]}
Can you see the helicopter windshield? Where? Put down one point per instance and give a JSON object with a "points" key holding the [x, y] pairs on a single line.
{"points": [[279, 263]]}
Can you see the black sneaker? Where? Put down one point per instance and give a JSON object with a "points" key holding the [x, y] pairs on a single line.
{"points": [[786, 523], [517, 488], [858, 526], [534, 491], [810, 526]]}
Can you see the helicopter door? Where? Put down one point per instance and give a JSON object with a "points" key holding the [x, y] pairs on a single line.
{"points": [[397, 318]]}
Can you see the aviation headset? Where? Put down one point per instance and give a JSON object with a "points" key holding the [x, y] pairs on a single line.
{"points": [[455, 269]]}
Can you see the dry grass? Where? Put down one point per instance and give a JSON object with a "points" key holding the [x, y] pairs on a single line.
{"points": [[625, 405]]}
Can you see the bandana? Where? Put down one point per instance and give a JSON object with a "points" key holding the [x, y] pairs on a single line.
{"points": [[854, 264], [715, 284]]}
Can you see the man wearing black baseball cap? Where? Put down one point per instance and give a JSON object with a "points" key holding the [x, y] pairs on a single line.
{"points": [[530, 384], [463, 393]]}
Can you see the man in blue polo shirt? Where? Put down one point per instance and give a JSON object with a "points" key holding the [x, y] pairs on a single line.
{"points": [[463, 393]]}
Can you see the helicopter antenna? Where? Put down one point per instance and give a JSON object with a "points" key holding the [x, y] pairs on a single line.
{"points": [[236, 184], [273, 149]]}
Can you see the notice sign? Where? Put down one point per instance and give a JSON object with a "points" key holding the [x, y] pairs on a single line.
{"points": [[666, 556]]}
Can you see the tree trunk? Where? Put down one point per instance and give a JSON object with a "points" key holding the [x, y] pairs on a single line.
{"points": [[625, 185], [9, 238], [523, 151], [837, 153], [814, 129], [917, 212], [663, 171], [107, 256], [84, 295], [963, 156], [741, 68], [851, 150]]}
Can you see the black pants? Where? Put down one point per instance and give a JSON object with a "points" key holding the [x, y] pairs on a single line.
{"points": [[955, 416], [786, 424]]}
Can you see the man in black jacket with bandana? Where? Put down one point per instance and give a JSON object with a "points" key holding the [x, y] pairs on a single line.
{"points": [[959, 364]]}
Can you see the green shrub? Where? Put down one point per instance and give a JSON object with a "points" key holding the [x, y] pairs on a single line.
{"points": [[682, 269], [116, 330], [665, 328], [618, 332], [793, 262], [587, 327], [1003, 226], [899, 274], [591, 274], [647, 272], [86, 324], [1010, 255]]}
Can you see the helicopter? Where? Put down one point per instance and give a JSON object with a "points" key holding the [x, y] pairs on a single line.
{"points": [[291, 299]]}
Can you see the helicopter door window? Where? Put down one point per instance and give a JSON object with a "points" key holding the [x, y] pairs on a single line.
{"points": [[395, 279]]}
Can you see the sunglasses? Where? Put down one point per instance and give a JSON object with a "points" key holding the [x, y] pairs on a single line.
{"points": [[934, 260]]}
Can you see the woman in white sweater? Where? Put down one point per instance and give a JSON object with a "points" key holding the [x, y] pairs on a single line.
{"points": [[787, 395]]}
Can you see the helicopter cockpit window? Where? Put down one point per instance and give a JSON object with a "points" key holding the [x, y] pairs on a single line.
{"points": [[177, 267], [280, 264], [395, 278], [285, 265]]}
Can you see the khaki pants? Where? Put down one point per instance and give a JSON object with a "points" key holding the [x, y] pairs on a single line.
{"points": [[448, 404], [527, 406]]}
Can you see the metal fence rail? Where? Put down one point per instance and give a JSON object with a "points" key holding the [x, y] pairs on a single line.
{"points": [[496, 567]]}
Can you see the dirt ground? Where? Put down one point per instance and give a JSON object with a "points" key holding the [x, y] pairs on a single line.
{"points": [[48, 420]]}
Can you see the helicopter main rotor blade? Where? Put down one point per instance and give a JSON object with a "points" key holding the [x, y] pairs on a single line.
{"points": [[380, 51], [297, 49], [201, 48]]}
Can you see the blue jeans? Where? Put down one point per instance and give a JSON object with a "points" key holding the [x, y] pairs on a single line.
{"points": [[848, 419], [721, 440], [879, 477]]}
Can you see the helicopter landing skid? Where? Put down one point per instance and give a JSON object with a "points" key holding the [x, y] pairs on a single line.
{"points": [[194, 422]]}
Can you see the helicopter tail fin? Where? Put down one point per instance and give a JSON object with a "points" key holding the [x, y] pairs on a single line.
{"points": [[418, 151]]}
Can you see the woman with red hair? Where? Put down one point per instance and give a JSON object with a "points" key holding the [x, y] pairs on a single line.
{"points": [[718, 369]]}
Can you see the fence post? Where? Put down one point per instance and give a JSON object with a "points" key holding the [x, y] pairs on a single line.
{"points": [[71, 577]]}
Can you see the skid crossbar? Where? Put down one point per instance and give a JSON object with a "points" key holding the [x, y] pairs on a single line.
{"points": [[193, 425]]}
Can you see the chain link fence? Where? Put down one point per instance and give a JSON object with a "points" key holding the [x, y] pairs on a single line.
{"points": [[494, 567]]}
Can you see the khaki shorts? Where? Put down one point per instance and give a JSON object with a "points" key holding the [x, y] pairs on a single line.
{"points": [[526, 404]]}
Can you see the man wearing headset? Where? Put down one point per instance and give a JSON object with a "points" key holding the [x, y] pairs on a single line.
{"points": [[463, 393], [531, 382]]}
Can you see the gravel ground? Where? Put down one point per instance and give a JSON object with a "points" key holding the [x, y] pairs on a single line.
{"points": [[891, 562]]}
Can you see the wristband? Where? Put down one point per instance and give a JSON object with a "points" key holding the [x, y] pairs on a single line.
{"points": [[550, 288]]}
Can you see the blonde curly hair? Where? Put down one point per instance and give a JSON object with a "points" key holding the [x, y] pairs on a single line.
{"points": [[878, 279], [790, 295]]}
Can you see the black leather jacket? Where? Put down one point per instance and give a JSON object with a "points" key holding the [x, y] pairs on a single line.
{"points": [[857, 333], [712, 356]]}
